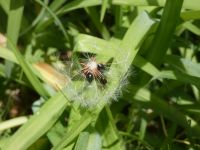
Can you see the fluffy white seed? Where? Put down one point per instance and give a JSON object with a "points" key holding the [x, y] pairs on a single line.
{"points": [[92, 65]]}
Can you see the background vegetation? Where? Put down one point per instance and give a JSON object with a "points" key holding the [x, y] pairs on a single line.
{"points": [[151, 100]]}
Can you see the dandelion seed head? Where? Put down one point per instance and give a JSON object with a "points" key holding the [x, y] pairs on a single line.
{"points": [[79, 91], [92, 65]]}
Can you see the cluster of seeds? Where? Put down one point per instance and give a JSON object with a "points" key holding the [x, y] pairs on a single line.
{"points": [[87, 79], [93, 70]]}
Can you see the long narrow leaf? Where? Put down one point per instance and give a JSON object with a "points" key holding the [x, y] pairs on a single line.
{"points": [[39, 123], [32, 78]]}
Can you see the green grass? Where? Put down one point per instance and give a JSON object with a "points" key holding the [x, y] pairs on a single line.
{"points": [[151, 99]]}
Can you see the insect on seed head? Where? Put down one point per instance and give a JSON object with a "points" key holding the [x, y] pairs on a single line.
{"points": [[93, 70], [89, 77]]}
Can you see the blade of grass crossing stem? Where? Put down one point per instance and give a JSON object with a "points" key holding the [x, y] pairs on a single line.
{"points": [[40, 123], [13, 27], [14, 19], [163, 35], [30, 75]]}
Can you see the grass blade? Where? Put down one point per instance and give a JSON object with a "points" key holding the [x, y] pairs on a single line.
{"points": [[163, 35], [75, 131], [55, 18], [103, 9], [32, 78], [14, 18], [39, 123]]}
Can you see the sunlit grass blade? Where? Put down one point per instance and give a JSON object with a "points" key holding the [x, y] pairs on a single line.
{"points": [[87, 43], [133, 38], [103, 9], [13, 123], [82, 141], [146, 66], [8, 55], [14, 18], [191, 27], [89, 141], [190, 15]]}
